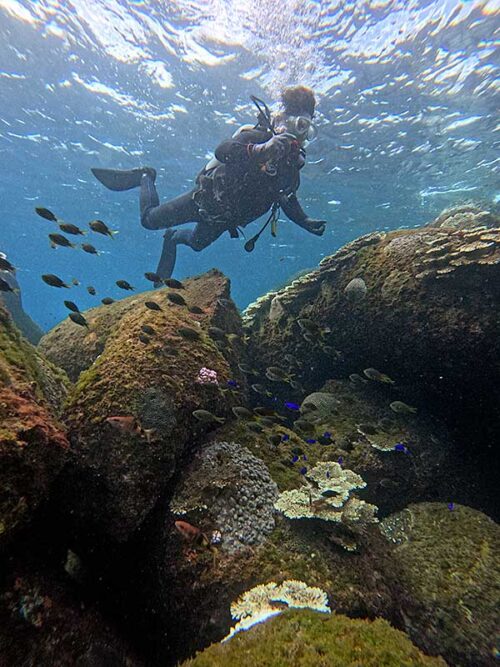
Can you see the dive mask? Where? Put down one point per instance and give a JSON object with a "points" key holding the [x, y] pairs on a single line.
{"points": [[302, 127]]}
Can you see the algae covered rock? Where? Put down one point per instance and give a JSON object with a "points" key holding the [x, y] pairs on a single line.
{"points": [[42, 622], [12, 302], [33, 445], [447, 557], [312, 639], [130, 415]]}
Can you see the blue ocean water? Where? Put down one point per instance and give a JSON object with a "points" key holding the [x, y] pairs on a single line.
{"points": [[407, 113]]}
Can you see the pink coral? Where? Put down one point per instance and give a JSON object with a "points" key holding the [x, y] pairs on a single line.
{"points": [[207, 376]]}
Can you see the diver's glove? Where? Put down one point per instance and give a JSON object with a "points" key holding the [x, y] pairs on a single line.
{"points": [[316, 227], [272, 150]]}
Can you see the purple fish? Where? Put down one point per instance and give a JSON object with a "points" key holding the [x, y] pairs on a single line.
{"points": [[451, 506], [285, 437], [304, 457], [328, 474], [327, 434], [292, 406], [295, 458], [303, 470], [400, 447], [232, 383], [310, 441], [341, 460]]}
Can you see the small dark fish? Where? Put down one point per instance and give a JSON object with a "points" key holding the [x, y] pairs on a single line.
{"points": [[176, 298], [329, 493], [274, 440], [304, 426], [308, 406], [264, 412], [377, 376], [72, 306], [101, 228], [310, 441], [402, 408], [87, 247], [367, 429], [400, 447], [207, 417], [123, 284], [5, 265], [340, 461], [290, 359], [59, 239], [242, 413], [173, 283], [68, 228], [78, 318], [292, 406], [75, 281], [244, 368], [303, 470], [53, 280], [143, 338], [196, 310], [254, 427], [216, 333], [153, 277], [285, 437], [5, 287], [148, 330], [188, 333], [298, 450], [325, 440], [107, 301], [268, 422], [260, 389], [295, 458], [386, 424], [232, 383], [45, 213], [308, 325], [91, 290], [451, 506], [152, 305]]}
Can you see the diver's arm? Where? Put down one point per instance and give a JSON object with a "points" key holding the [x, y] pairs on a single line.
{"points": [[293, 210], [236, 149]]}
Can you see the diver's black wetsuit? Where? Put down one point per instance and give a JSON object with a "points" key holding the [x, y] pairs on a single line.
{"points": [[231, 194]]}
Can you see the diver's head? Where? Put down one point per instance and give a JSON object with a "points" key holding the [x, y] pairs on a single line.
{"points": [[298, 111]]}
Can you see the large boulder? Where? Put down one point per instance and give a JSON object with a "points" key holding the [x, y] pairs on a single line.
{"points": [[447, 557], [419, 306], [147, 378], [313, 639], [33, 445]]}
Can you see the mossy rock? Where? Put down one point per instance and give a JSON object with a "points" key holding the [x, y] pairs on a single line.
{"points": [[12, 302], [313, 639], [116, 475], [33, 445], [75, 348], [450, 576]]}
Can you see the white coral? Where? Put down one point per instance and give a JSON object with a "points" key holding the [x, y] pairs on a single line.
{"points": [[259, 603]]}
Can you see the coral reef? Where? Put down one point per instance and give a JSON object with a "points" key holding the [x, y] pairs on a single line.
{"points": [[309, 639], [447, 557], [231, 490], [33, 446], [260, 603], [129, 416]]}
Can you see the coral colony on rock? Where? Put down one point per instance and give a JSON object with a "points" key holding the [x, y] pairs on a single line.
{"points": [[198, 467]]}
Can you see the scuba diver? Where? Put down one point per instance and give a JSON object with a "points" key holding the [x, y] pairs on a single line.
{"points": [[254, 171]]}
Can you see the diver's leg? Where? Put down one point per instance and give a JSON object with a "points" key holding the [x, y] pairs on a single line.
{"points": [[122, 179], [198, 238], [174, 212]]}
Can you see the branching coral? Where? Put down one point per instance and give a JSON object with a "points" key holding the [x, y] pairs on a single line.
{"points": [[267, 600]]}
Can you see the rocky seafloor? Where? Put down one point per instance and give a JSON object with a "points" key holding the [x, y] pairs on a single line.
{"points": [[333, 504]]}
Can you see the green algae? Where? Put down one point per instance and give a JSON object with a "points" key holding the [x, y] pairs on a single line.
{"points": [[311, 639]]}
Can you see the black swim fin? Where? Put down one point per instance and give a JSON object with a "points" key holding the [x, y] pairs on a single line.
{"points": [[121, 179], [168, 256]]}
